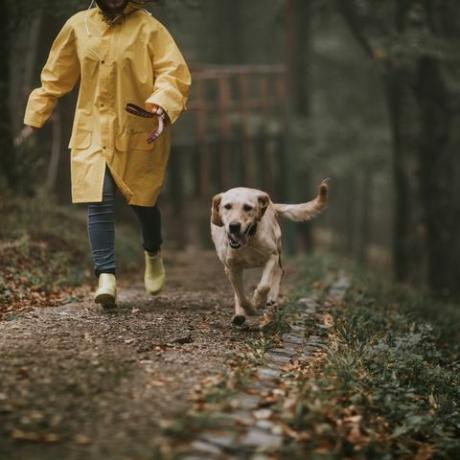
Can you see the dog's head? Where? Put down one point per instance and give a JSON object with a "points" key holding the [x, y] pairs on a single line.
{"points": [[239, 210]]}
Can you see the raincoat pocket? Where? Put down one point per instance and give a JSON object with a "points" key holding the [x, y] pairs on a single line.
{"points": [[81, 139], [138, 141], [137, 125]]}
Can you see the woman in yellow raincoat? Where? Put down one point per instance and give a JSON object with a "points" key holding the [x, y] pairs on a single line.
{"points": [[121, 55]]}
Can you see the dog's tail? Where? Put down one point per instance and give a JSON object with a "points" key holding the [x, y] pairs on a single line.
{"points": [[304, 211]]}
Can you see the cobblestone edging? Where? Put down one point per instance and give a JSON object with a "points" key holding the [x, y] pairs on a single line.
{"points": [[248, 430]]}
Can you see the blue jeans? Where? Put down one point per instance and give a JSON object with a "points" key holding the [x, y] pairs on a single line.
{"points": [[101, 228]]}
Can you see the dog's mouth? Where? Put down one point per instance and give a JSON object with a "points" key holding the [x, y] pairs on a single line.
{"points": [[236, 242], [241, 239]]}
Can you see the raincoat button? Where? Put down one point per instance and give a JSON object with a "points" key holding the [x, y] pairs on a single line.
{"points": [[102, 62]]}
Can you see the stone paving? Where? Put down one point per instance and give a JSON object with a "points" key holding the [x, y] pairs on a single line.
{"points": [[249, 429]]}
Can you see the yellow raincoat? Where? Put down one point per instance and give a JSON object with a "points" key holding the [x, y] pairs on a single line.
{"points": [[134, 60]]}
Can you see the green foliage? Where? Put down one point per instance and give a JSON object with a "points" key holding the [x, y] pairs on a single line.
{"points": [[395, 369], [390, 386]]}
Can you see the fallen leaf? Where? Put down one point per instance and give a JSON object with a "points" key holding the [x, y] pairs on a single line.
{"points": [[82, 440], [262, 414]]}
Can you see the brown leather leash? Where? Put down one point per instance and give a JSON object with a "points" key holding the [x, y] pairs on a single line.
{"points": [[140, 112]]}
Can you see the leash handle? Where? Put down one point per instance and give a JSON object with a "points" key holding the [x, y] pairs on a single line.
{"points": [[140, 112]]}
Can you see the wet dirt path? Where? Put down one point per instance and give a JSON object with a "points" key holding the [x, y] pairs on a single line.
{"points": [[80, 383]]}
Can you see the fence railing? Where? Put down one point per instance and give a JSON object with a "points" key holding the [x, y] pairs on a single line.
{"points": [[233, 134]]}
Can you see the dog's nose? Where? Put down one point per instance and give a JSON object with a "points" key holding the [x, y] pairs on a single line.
{"points": [[234, 227]]}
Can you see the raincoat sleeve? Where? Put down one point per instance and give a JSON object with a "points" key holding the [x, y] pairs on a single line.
{"points": [[172, 76], [58, 77]]}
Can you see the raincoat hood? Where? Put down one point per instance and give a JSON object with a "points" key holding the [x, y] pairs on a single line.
{"points": [[131, 5]]}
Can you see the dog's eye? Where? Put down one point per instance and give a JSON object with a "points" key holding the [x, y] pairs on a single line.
{"points": [[247, 207], [228, 206]]}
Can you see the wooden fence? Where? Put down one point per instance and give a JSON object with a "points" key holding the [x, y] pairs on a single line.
{"points": [[234, 133]]}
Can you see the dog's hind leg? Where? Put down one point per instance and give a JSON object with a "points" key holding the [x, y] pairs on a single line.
{"points": [[263, 289], [243, 306]]}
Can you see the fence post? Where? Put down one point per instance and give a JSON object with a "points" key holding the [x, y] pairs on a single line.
{"points": [[202, 140], [225, 130], [244, 106], [265, 142]]}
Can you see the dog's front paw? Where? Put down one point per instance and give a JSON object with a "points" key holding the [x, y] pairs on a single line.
{"points": [[238, 320], [260, 296], [272, 300]]}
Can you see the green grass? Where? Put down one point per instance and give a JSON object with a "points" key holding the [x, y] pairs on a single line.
{"points": [[389, 385]]}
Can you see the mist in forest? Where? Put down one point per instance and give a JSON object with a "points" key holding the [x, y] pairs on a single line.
{"points": [[285, 93]]}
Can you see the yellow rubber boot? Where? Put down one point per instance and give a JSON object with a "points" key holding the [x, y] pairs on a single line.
{"points": [[155, 274], [106, 293]]}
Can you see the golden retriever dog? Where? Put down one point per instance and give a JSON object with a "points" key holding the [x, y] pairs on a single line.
{"points": [[246, 233]]}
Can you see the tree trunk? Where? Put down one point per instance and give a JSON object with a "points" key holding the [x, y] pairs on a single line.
{"points": [[365, 222], [439, 175], [26, 46], [409, 255], [7, 156], [347, 199], [298, 52], [401, 238]]}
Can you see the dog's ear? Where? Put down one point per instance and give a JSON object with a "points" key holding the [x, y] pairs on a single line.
{"points": [[263, 200], [215, 212]]}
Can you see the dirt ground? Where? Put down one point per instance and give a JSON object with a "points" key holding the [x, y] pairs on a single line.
{"points": [[77, 382]]}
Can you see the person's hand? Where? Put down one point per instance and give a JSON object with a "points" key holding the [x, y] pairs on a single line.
{"points": [[162, 120], [25, 133], [156, 110]]}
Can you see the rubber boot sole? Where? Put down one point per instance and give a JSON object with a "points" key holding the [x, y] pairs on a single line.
{"points": [[153, 292], [106, 300]]}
